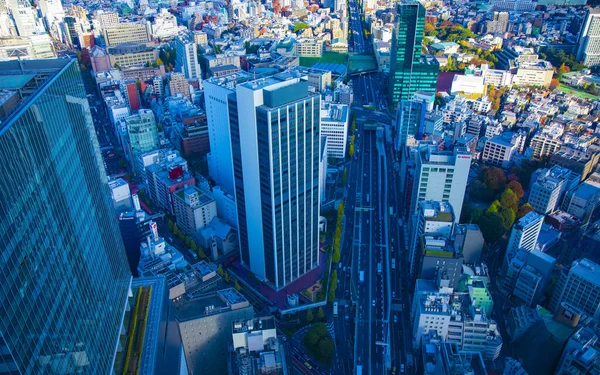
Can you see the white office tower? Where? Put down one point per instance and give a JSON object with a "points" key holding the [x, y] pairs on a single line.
{"points": [[433, 219], [24, 17], [579, 289], [187, 58], [549, 187], [524, 235], [588, 46], [275, 145], [334, 126], [441, 176], [217, 94]]}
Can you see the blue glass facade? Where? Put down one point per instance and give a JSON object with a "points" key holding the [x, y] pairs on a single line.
{"points": [[63, 269]]}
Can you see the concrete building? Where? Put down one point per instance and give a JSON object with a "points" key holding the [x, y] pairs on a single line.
{"points": [[534, 75], [470, 239], [200, 38], [453, 317], [334, 126], [527, 276], [34, 47], [132, 32], [441, 176], [187, 58], [178, 84], [164, 179], [523, 235], [548, 188], [580, 355], [129, 54], [444, 358], [580, 161], [272, 194], [579, 287], [256, 348], [204, 325], [432, 219], [588, 46], [194, 209], [544, 145], [410, 122], [218, 238], [309, 48], [498, 152], [121, 195], [441, 257], [226, 207], [583, 200]]}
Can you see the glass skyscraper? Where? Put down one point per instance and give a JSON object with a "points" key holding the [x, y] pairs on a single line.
{"points": [[409, 70], [64, 276]]}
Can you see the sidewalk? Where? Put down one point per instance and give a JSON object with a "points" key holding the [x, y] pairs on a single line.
{"points": [[279, 297]]}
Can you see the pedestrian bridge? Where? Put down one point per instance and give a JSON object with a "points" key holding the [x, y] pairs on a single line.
{"points": [[361, 63]]}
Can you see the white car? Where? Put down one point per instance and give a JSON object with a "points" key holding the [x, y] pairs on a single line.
{"points": [[373, 303]]}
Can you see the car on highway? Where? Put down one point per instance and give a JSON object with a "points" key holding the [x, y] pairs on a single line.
{"points": [[402, 368], [373, 303], [395, 318], [393, 294]]}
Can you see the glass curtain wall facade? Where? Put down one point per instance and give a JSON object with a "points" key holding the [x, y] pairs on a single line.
{"points": [[409, 71], [63, 267]]}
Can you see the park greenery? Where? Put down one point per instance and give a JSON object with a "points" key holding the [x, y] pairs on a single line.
{"points": [[299, 26], [503, 195], [319, 343], [338, 233]]}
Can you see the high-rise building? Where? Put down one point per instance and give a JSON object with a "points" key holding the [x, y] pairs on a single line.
{"points": [[579, 288], [441, 176], [64, 272], [276, 147], [409, 71], [107, 19], [588, 46], [217, 94], [24, 17], [524, 235], [187, 58]]}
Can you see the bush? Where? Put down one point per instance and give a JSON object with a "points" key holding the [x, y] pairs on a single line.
{"points": [[319, 343]]}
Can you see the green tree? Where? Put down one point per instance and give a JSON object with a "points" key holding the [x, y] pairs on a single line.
{"points": [[226, 277], [181, 236], [220, 270], [201, 254], [345, 176], [170, 225], [509, 199], [299, 26], [193, 246], [309, 315], [493, 208], [188, 242], [336, 255], [320, 314], [517, 188], [508, 216], [492, 227], [351, 150], [332, 286], [237, 286]]}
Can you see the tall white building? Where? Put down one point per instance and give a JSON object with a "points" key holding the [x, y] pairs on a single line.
{"points": [[24, 17], [334, 125], [187, 58], [218, 92], [588, 46], [549, 187], [441, 176], [524, 235], [276, 146], [579, 287]]}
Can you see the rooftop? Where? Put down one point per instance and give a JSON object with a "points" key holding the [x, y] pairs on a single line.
{"points": [[27, 78], [256, 324], [210, 304]]}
